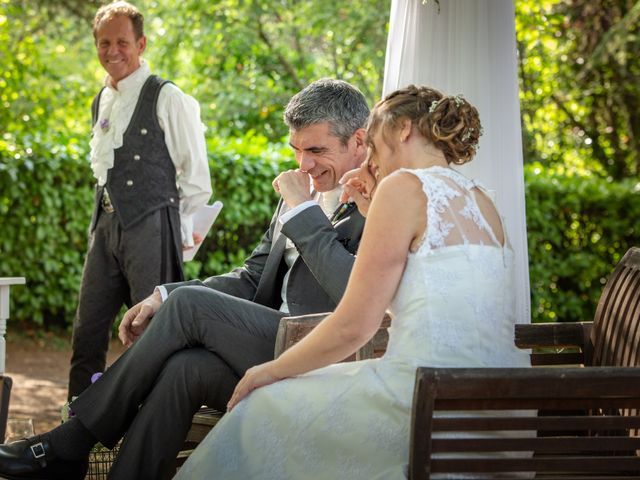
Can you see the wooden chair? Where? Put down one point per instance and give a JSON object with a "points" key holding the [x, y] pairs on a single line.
{"points": [[598, 404], [611, 339], [290, 331], [559, 445]]}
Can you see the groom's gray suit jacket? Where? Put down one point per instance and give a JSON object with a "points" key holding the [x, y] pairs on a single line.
{"points": [[318, 276]]}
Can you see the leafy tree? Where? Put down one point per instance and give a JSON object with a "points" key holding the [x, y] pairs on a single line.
{"points": [[245, 58], [44, 83], [579, 76], [241, 60], [607, 69]]}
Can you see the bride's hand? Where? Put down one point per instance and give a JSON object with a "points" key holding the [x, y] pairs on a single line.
{"points": [[255, 377], [359, 185]]}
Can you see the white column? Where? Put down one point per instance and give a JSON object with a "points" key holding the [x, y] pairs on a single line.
{"points": [[469, 47], [5, 285]]}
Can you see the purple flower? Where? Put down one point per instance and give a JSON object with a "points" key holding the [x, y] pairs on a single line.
{"points": [[104, 124]]}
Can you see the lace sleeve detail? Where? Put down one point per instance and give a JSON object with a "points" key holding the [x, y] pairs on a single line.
{"points": [[472, 212], [439, 195], [453, 214]]}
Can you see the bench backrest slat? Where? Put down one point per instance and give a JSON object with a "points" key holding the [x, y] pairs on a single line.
{"points": [[486, 420], [616, 326]]}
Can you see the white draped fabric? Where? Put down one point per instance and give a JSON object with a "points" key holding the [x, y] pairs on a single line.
{"points": [[469, 47]]}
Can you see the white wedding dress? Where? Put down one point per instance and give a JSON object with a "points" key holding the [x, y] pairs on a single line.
{"points": [[454, 307]]}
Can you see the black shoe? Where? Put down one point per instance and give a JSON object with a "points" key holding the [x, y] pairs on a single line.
{"points": [[34, 458]]}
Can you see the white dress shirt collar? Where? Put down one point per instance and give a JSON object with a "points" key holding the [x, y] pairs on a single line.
{"points": [[330, 200], [114, 115]]}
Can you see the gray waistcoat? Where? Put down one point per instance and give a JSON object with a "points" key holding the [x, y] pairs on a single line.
{"points": [[143, 177]]}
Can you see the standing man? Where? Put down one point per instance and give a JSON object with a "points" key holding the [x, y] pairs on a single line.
{"points": [[205, 335], [149, 158]]}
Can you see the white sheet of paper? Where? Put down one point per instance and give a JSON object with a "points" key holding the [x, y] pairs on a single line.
{"points": [[202, 221]]}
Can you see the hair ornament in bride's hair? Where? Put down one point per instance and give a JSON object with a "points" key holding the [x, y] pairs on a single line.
{"points": [[467, 135], [457, 99]]}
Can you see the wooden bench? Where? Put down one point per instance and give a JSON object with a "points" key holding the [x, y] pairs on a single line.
{"points": [[585, 421], [611, 339], [560, 444], [290, 331]]}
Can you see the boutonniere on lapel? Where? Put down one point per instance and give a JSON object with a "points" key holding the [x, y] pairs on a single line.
{"points": [[342, 211]]}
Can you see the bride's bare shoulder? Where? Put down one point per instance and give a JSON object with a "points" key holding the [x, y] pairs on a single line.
{"points": [[401, 179]]}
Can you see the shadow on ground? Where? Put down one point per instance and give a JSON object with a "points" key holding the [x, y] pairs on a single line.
{"points": [[39, 372]]}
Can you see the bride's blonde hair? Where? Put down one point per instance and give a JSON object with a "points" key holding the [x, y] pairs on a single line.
{"points": [[449, 122]]}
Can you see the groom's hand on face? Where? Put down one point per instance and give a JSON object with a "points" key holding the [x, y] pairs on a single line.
{"points": [[294, 186]]}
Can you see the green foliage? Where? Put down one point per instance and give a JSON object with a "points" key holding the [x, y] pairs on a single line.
{"points": [[579, 227], [46, 204], [244, 59], [45, 179], [42, 87], [580, 96]]}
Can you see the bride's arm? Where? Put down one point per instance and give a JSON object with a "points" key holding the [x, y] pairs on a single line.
{"points": [[396, 218]]}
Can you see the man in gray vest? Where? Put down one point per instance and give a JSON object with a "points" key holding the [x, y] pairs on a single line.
{"points": [[149, 158], [192, 341]]}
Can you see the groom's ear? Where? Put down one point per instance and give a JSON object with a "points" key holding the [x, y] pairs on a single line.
{"points": [[360, 137]]}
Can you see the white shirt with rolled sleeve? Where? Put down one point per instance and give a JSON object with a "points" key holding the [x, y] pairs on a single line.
{"points": [[179, 118]]}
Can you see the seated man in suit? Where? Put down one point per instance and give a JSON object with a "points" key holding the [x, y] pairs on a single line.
{"points": [[192, 341]]}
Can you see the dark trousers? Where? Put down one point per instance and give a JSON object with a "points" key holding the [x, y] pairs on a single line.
{"points": [[195, 350], [122, 267]]}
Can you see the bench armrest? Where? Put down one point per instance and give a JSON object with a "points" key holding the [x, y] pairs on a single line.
{"points": [[569, 334], [556, 343], [292, 329]]}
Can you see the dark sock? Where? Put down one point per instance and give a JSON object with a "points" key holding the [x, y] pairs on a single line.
{"points": [[71, 440]]}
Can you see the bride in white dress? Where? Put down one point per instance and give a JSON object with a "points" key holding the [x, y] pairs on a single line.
{"points": [[435, 253]]}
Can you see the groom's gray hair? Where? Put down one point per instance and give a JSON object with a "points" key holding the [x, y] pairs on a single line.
{"points": [[328, 100]]}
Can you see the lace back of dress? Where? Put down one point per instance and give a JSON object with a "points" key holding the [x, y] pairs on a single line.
{"points": [[454, 216]]}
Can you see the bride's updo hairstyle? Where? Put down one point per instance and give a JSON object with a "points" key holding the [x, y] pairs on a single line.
{"points": [[449, 122]]}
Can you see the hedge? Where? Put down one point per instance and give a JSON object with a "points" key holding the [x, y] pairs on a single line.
{"points": [[578, 226], [45, 207], [46, 195], [578, 229]]}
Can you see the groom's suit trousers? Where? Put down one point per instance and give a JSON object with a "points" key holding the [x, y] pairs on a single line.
{"points": [[193, 353], [207, 334]]}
